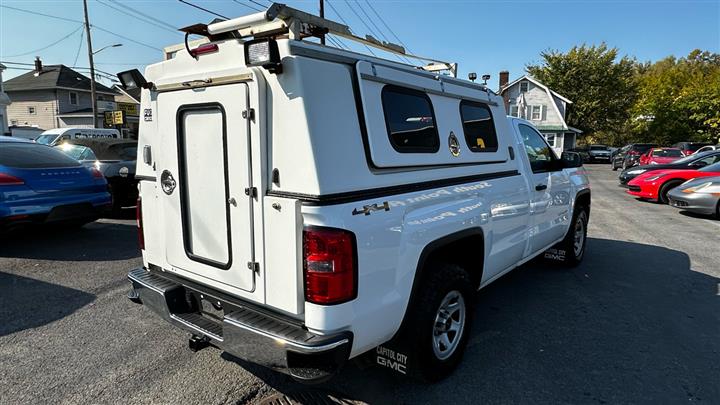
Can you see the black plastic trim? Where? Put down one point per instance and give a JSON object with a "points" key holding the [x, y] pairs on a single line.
{"points": [[360, 195], [182, 169], [146, 178]]}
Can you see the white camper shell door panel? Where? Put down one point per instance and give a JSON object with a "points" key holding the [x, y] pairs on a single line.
{"points": [[208, 216]]}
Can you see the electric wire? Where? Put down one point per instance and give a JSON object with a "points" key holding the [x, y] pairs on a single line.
{"points": [[203, 9], [346, 23], [77, 54], [246, 5], [173, 30], [46, 46], [149, 17]]}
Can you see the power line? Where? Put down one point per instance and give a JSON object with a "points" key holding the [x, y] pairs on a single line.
{"points": [[203, 9], [387, 26], [401, 58], [346, 23], [368, 27], [255, 2], [154, 24], [77, 54], [81, 22], [247, 5], [149, 17], [47, 46]]}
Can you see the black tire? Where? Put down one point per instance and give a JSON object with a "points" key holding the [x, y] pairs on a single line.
{"points": [[614, 168], [565, 252], [441, 281], [624, 165], [665, 189]]}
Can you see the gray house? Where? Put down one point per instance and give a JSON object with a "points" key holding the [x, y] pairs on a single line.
{"points": [[54, 96], [527, 98]]}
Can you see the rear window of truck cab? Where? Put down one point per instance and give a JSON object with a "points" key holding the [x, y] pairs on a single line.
{"points": [[410, 120]]}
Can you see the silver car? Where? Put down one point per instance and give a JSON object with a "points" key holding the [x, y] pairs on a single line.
{"points": [[701, 195]]}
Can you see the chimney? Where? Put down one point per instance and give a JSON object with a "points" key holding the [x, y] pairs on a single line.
{"points": [[38, 65], [504, 78]]}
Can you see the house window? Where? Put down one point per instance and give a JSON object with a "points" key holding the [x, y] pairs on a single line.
{"points": [[524, 86], [73, 98], [410, 120], [32, 110], [550, 139], [13, 122], [514, 112], [478, 127], [536, 113]]}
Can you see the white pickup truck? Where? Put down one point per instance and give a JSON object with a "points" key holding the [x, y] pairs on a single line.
{"points": [[303, 205]]}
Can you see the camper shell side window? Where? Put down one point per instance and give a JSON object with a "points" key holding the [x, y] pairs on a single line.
{"points": [[478, 126], [410, 120]]}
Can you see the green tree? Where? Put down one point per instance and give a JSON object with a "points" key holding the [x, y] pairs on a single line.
{"points": [[601, 85], [679, 100]]}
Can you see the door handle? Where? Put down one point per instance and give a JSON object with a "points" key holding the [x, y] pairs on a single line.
{"points": [[541, 187]]}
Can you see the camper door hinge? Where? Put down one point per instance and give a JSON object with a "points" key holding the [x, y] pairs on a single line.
{"points": [[249, 114], [254, 266], [251, 192]]}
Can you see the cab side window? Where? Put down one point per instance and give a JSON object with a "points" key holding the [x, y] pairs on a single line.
{"points": [[410, 120], [478, 127], [542, 158]]}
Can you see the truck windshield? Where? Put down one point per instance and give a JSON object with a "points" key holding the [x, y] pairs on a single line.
{"points": [[46, 139]]}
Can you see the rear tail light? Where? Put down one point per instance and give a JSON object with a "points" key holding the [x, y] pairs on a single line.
{"points": [[8, 180], [203, 49], [96, 173], [140, 233], [329, 265]]}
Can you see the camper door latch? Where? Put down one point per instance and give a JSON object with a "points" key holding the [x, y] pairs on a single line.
{"points": [[249, 114], [254, 266], [251, 192]]}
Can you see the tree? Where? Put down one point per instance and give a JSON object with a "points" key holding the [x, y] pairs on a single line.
{"points": [[602, 87], [679, 99]]}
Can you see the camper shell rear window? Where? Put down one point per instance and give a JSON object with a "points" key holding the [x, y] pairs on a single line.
{"points": [[410, 120], [478, 126]]}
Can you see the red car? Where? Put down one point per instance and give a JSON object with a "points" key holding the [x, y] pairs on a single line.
{"points": [[660, 156], [655, 184]]}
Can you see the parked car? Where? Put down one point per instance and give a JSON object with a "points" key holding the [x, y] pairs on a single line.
{"points": [[656, 184], [55, 136], [700, 195], [41, 185], [692, 162], [295, 252], [707, 148], [688, 148], [629, 155], [583, 152], [115, 159], [4, 138], [599, 153], [660, 156]]}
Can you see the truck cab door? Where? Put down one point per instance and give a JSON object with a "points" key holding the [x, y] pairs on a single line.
{"points": [[550, 210]]}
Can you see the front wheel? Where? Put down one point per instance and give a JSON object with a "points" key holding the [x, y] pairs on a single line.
{"points": [[571, 250], [440, 321]]}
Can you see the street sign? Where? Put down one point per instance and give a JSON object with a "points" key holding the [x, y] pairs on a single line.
{"points": [[130, 109], [108, 119], [118, 117]]}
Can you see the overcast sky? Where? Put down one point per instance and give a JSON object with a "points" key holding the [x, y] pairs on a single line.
{"points": [[482, 36]]}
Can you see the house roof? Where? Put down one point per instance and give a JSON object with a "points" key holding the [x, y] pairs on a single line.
{"points": [[132, 93], [52, 77], [537, 83]]}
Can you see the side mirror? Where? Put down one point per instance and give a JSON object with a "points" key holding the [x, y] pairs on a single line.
{"points": [[571, 160]]}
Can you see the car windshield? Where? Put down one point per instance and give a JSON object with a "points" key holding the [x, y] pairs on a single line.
{"points": [[599, 147], [34, 156], [694, 146], [715, 167], [45, 139], [77, 152], [667, 153], [643, 147], [691, 158]]}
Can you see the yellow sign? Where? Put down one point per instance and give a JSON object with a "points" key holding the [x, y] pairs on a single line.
{"points": [[129, 108], [118, 118], [108, 118]]}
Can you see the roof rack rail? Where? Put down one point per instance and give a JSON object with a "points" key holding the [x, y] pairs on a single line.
{"points": [[279, 19]]}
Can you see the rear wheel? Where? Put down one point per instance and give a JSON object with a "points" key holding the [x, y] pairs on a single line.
{"points": [[440, 322], [665, 189]]}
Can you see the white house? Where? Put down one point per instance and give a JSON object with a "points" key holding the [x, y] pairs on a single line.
{"points": [[4, 103], [527, 98]]}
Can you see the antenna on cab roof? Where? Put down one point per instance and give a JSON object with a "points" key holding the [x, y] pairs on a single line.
{"points": [[280, 19]]}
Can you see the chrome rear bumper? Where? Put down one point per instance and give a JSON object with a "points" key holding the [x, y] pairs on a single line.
{"points": [[242, 331]]}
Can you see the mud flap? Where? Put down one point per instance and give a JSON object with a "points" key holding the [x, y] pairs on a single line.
{"points": [[394, 356], [555, 254]]}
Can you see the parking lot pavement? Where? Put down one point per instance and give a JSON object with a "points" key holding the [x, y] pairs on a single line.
{"points": [[637, 322]]}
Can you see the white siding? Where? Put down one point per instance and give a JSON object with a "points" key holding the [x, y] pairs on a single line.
{"points": [[536, 96]]}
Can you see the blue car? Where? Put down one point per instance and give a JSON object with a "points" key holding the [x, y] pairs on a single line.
{"points": [[41, 185]]}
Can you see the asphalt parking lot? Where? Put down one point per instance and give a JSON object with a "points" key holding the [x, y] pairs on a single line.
{"points": [[637, 322]]}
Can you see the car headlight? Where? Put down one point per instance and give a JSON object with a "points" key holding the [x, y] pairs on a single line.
{"points": [[657, 176], [705, 188], [637, 171]]}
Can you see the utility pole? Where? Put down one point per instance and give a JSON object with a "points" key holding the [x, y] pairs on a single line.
{"points": [[322, 15], [92, 66]]}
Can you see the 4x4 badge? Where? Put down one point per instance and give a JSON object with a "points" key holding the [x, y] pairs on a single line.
{"points": [[454, 144], [167, 182]]}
